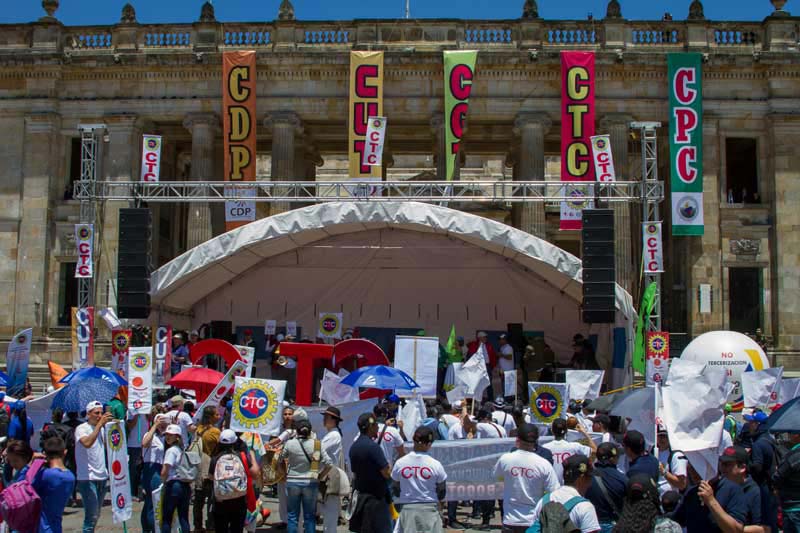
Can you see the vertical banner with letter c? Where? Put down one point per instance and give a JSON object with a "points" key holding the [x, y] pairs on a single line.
{"points": [[162, 355], [366, 100], [84, 242], [151, 157], [239, 126], [577, 126], [82, 337], [459, 75], [652, 248]]}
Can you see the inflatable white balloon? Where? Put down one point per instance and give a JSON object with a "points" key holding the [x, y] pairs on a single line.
{"points": [[733, 351]]}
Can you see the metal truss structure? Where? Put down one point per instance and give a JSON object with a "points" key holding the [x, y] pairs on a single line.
{"points": [[88, 212]]}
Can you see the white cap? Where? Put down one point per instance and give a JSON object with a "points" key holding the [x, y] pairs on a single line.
{"points": [[482, 334], [173, 429], [299, 414], [91, 406], [228, 436]]}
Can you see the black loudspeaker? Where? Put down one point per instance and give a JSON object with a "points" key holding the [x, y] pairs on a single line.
{"points": [[134, 263], [597, 246], [221, 329], [516, 337]]}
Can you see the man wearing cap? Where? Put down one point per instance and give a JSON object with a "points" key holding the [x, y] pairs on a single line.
{"points": [[418, 483], [672, 465], [90, 458], [639, 461], [762, 463], [501, 417], [180, 417], [482, 347], [562, 449], [370, 472], [180, 354], [711, 506], [577, 480], [733, 465], [194, 338], [526, 478], [602, 424], [388, 437], [607, 492], [332, 445]]}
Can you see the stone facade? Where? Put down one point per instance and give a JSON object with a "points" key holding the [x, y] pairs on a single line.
{"points": [[166, 79]]}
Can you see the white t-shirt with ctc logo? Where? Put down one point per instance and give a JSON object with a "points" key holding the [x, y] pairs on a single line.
{"points": [[526, 478], [563, 450], [418, 474], [390, 440]]}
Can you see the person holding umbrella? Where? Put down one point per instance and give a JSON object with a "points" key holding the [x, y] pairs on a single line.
{"points": [[90, 458]]}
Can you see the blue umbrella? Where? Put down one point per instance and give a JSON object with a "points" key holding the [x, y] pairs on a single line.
{"points": [[380, 377], [93, 373], [786, 419], [76, 395], [3, 379]]}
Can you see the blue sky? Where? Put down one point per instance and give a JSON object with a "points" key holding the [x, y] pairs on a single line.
{"points": [[90, 12]]}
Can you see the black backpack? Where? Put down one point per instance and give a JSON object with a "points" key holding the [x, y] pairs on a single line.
{"points": [[554, 516], [52, 429]]}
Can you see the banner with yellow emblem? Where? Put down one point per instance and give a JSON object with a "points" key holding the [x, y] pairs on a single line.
{"points": [[257, 405]]}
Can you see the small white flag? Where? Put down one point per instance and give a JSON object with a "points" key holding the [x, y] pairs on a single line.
{"points": [[760, 387], [474, 376], [510, 383], [584, 384], [334, 392]]}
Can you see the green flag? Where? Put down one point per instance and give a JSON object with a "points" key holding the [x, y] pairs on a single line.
{"points": [[459, 71], [453, 351], [648, 302]]}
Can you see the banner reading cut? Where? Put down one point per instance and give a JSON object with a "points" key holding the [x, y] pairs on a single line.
{"points": [[685, 76], [140, 379], [548, 401], [376, 135], [120, 347], [84, 242], [223, 388], [162, 351], [117, 452], [366, 100], [653, 248], [418, 357], [330, 326], [18, 357], [257, 405], [459, 75], [151, 157], [577, 127], [603, 158], [82, 337], [239, 124]]}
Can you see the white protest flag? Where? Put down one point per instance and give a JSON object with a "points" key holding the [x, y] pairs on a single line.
{"points": [[789, 389], [117, 453], [705, 462], [412, 414], [510, 383], [639, 408], [248, 355], [110, 318], [474, 376], [584, 384], [373, 147], [223, 388], [693, 406], [418, 357], [459, 392], [760, 387], [334, 392], [257, 405], [140, 379]]}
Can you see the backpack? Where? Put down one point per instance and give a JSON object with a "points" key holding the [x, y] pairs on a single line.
{"points": [[230, 479], [188, 466], [554, 516], [20, 505], [196, 447]]}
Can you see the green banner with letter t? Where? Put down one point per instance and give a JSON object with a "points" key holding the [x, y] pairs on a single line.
{"points": [[459, 72], [685, 76]]}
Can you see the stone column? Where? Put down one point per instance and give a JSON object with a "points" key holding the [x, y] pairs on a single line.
{"points": [[285, 125], [531, 129], [204, 127], [617, 125], [39, 168]]}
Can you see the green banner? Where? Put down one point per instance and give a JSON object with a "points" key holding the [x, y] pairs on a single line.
{"points": [[648, 302], [459, 71], [685, 74]]}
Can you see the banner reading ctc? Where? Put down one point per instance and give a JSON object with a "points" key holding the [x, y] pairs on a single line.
{"points": [[366, 100], [257, 405], [151, 157], [84, 241], [120, 346], [548, 401], [140, 379], [653, 247]]}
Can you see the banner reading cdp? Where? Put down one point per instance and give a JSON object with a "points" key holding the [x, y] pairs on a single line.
{"points": [[459, 73], [366, 100]]}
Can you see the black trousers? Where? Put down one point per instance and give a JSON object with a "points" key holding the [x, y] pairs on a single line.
{"points": [[229, 515]]}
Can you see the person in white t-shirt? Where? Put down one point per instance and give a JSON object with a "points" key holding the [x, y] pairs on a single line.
{"points": [[389, 438], [501, 417], [673, 466], [563, 449], [577, 480], [418, 483], [177, 492], [450, 416], [506, 356], [183, 419], [153, 457], [332, 445], [602, 424], [526, 478], [90, 459], [487, 428], [466, 429]]}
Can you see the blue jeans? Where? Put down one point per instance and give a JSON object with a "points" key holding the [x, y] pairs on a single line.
{"points": [[791, 521], [607, 527], [151, 479], [301, 494], [177, 496], [92, 494]]}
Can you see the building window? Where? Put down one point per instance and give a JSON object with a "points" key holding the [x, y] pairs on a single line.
{"points": [[745, 299], [74, 167], [741, 161], [67, 293]]}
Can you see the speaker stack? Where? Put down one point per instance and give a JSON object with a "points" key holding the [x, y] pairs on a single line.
{"points": [[599, 276], [134, 263]]}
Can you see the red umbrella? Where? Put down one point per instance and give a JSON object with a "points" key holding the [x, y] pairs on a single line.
{"points": [[199, 379], [352, 354]]}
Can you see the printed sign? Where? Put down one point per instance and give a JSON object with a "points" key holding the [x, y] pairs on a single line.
{"points": [[291, 328], [162, 349], [270, 326], [82, 337], [459, 75], [120, 483], [603, 158], [376, 135], [548, 401], [686, 142], [257, 405], [18, 358], [657, 344], [657, 371], [239, 119], [151, 157], [366, 100], [330, 326], [140, 379], [581, 197], [223, 388], [120, 347], [240, 210], [84, 241], [653, 247], [248, 355], [418, 357]]}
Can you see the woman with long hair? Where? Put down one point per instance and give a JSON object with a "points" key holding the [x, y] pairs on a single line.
{"points": [[153, 457], [177, 492], [641, 511]]}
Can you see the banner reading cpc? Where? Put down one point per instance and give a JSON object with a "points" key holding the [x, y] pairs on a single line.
{"points": [[366, 100], [459, 73]]}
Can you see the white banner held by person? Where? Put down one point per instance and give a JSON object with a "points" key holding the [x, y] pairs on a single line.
{"points": [[84, 242], [334, 392], [584, 384], [603, 158], [652, 248], [510, 383], [548, 401], [373, 146], [151, 157], [760, 387], [789, 389], [270, 326], [418, 357], [257, 405], [474, 376], [639, 409], [117, 453], [140, 379], [223, 388], [248, 355]]}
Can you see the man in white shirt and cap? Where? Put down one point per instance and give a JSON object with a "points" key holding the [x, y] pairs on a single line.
{"points": [[180, 417], [90, 459], [502, 417], [562, 449]]}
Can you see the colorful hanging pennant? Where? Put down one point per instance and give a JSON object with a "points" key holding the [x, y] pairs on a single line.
{"points": [[120, 346], [376, 135], [459, 75], [151, 157], [82, 337], [162, 351], [120, 483], [366, 100], [84, 241], [140, 379], [652, 247], [603, 158]]}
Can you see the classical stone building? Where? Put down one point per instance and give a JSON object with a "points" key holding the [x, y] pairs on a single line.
{"points": [[166, 79]]}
